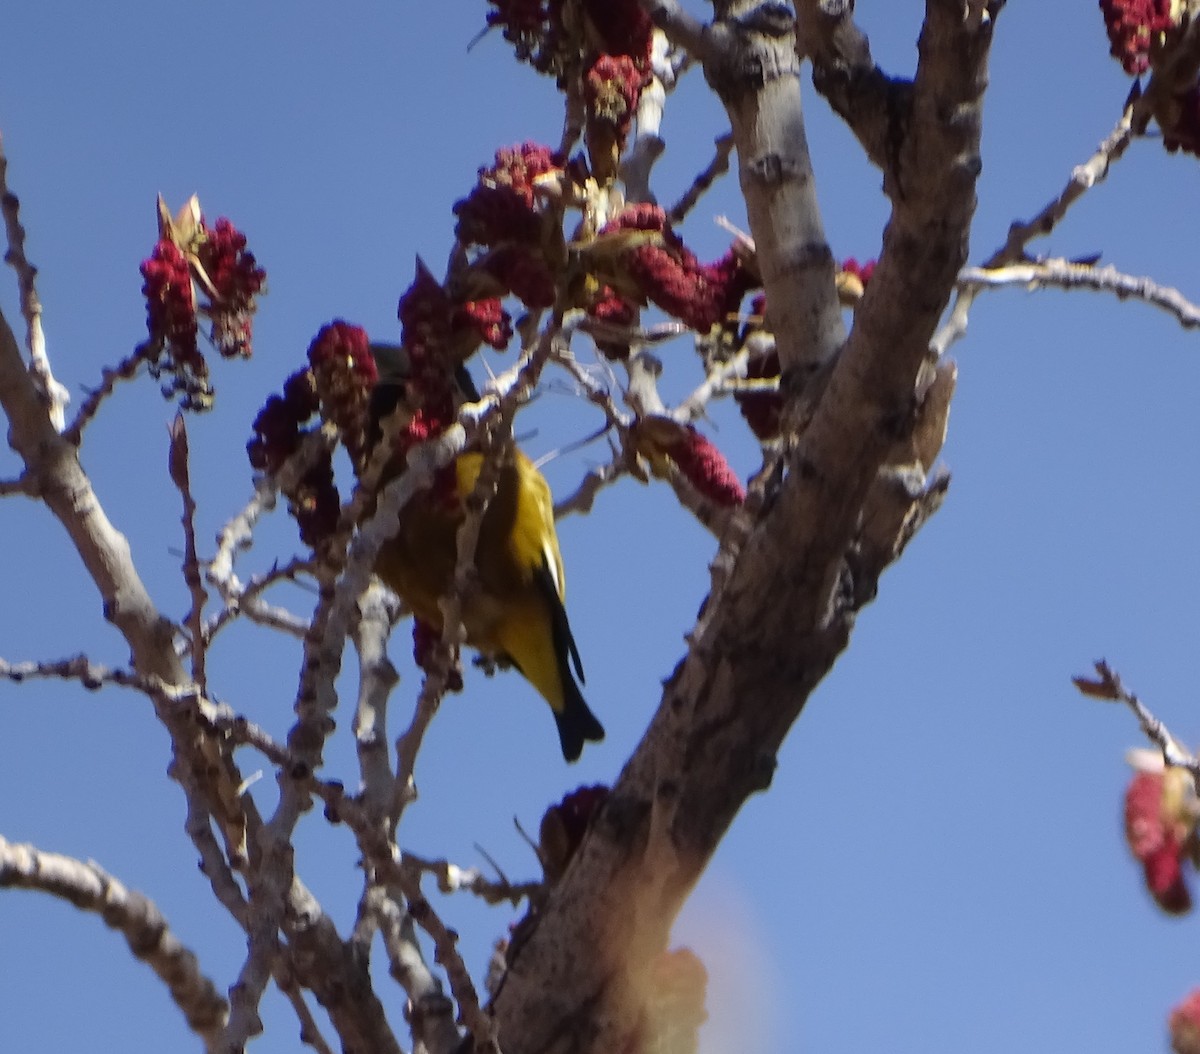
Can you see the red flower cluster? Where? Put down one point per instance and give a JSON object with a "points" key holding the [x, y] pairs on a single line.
{"points": [[502, 214], [315, 503], [426, 314], [609, 306], [706, 469], [277, 426], [623, 27], [555, 44], [1133, 27], [1158, 838], [235, 279], [189, 254], [564, 825], [669, 275], [344, 373], [171, 306], [487, 318], [611, 90], [1185, 1025], [502, 206]]}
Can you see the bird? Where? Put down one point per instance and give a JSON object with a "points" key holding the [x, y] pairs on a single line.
{"points": [[516, 615]]}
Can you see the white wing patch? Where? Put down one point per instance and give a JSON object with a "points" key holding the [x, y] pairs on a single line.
{"points": [[550, 559]]}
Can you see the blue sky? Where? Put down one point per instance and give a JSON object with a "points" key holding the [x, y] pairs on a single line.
{"points": [[939, 864]]}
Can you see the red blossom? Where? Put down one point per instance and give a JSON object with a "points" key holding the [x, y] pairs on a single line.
{"points": [[623, 26], [523, 273], [487, 318], [536, 31], [1133, 28], [564, 825], [700, 295], [1156, 840], [502, 205], [236, 280], [315, 503], [762, 410], [1185, 1025], [171, 304], [611, 88], [706, 469], [612, 308], [425, 314], [344, 373]]}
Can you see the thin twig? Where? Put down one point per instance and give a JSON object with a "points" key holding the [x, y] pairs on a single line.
{"points": [[248, 601], [310, 1031], [125, 370], [451, 879], [181, 476], [716, 168], [23, 484], [53, 394], [1107, 685], [474, 1019], [1067, 275]]}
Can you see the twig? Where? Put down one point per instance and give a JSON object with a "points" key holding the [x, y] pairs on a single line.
{"points": [[125, 370], [1064, 274], [716, 168], [177, 462], [1020, 233], [135, 916], [55, 396], [717, 380], [451, 879], [249, 603], [432, 1014], [583, 497], [23, 484], [377, 677], [1083, 177], [310, 1031], [1107, 685], [445, 944], [648, 144]]}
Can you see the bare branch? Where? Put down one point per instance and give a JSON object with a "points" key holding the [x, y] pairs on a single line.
{"points": [[110, 376], [648, 144], [53, 394], [23, 484], [1108, 686], [135, 916], [451, 879], [479, 1024], [716, 168], [180, 475], [1067, 275], [377, 612], [681, 28], [432, 1013]]}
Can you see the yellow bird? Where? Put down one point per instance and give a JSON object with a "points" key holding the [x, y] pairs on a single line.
{"points": [[516, 615]]}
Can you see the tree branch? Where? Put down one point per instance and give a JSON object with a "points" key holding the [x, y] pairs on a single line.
{"points": [[89, 887]]}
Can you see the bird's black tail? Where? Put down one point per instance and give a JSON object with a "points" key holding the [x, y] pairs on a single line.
{"points": [[576, 722]]}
